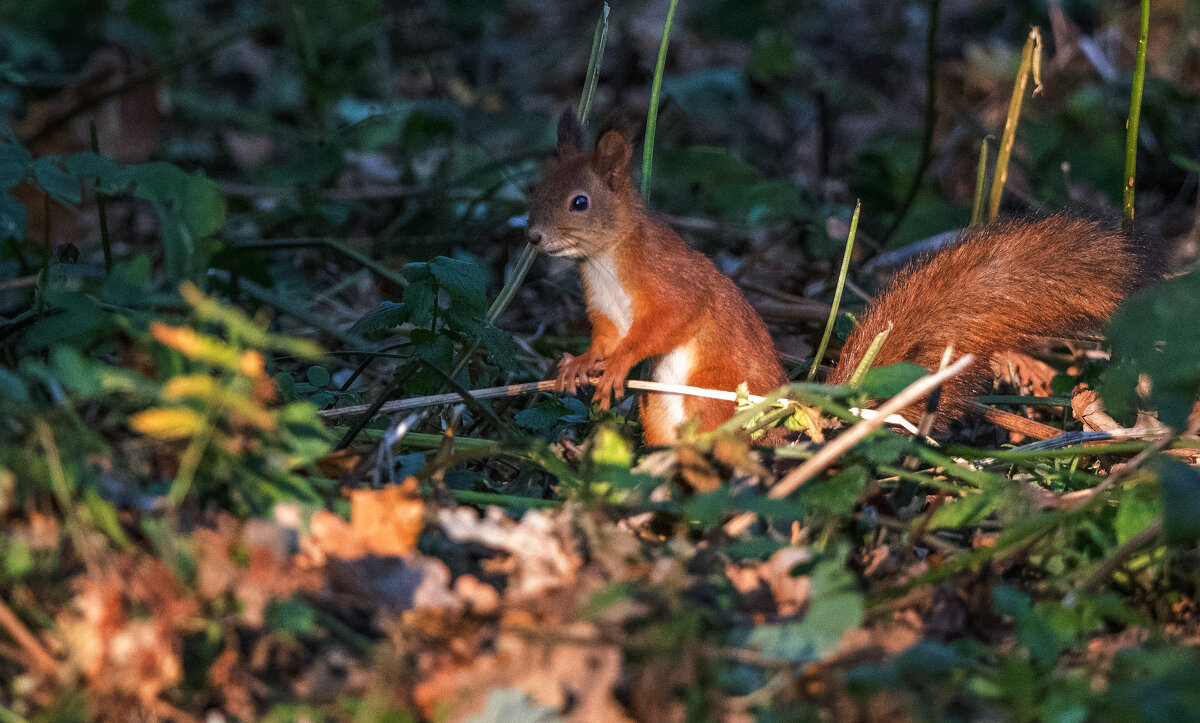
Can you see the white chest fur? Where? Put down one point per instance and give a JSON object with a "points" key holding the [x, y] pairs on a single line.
{"points": [[605, 293], [674, 367]]}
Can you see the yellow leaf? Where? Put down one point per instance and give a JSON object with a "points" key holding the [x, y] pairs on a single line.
{"points": [[189, 386], [167, 423]]}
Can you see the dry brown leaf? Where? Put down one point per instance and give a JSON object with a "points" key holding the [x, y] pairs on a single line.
{"points": [[555, 669], [388, 521], [542, 549]]}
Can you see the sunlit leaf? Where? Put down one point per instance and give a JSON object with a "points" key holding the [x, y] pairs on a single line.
{"points": [[167, 423]]}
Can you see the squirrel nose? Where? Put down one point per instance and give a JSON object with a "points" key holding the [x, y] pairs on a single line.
{"points": [[535, 234]]}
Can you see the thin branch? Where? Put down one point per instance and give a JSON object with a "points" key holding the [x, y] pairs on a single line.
{"points": [[21, 635]]}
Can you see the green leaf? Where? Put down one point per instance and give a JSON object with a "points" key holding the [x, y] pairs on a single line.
{"points": [[104, 517], [417, 271], [318, 376], [112, 177], [835, 607], [62, 186], [887, 382], [708, 508], [189, 209], [74, 320], [1033, 629], [1180, 486], [419, 300], [291, 616], [12, 386], [463, 280], [381, 320], [1185, 163], [969, 509], [1139, 508], [438, 351], [536, 420], [75, 370], [1154, 335], [838, 494], [129, 282], [12, 171], [307, 437]]}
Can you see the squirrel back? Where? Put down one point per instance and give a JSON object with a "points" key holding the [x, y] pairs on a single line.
{"points": [[998, 288]]}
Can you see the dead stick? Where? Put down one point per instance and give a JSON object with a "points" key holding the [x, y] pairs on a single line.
{"points": [[513, 390], [10, 622]]}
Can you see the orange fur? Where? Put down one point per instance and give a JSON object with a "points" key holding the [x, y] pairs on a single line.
{"points": [[996, 289], [683, 313]]}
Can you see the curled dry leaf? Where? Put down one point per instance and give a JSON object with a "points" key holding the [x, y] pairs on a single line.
{"points": [[542, 554], [373, 558], [770, 588]]}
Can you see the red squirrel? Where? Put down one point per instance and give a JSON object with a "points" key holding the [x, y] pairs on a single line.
{"points": [[650, 295]]}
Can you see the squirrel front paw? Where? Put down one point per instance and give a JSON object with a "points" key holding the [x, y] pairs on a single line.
{"points": [[576, 371], [612, 384]]}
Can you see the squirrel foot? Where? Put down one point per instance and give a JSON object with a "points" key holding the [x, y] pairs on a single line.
{"points": [[577, 371]]}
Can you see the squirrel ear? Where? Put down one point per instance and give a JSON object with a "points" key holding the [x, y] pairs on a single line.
{"points": [[624, 121], [611, 159], [570, 134]]}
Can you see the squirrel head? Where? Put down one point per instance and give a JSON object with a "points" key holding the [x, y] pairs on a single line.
{"points": [[585, 202]]}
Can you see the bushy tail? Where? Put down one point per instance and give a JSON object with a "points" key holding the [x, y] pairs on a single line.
{"points": [[995, 289]]}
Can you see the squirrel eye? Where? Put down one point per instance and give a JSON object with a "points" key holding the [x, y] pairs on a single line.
{"points": [[579, 203]]}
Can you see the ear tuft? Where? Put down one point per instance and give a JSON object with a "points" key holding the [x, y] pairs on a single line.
{"points": [[611, 159], [570, 134]]}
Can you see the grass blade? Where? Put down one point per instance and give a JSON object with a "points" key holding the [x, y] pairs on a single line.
{"points": [[837, 294], [593, 71], [980, 183], [655, 90]]}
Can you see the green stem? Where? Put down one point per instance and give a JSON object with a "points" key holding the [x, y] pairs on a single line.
{"points": [[655, 89], [105, 239], [1135, 113], [837, 294]]}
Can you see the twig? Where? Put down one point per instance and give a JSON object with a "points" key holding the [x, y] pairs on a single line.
{"points": [[280, 244], [19, 633], [513, 390], [1131, 546], [1014, 422], [1066, 439], [105, 239]]}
